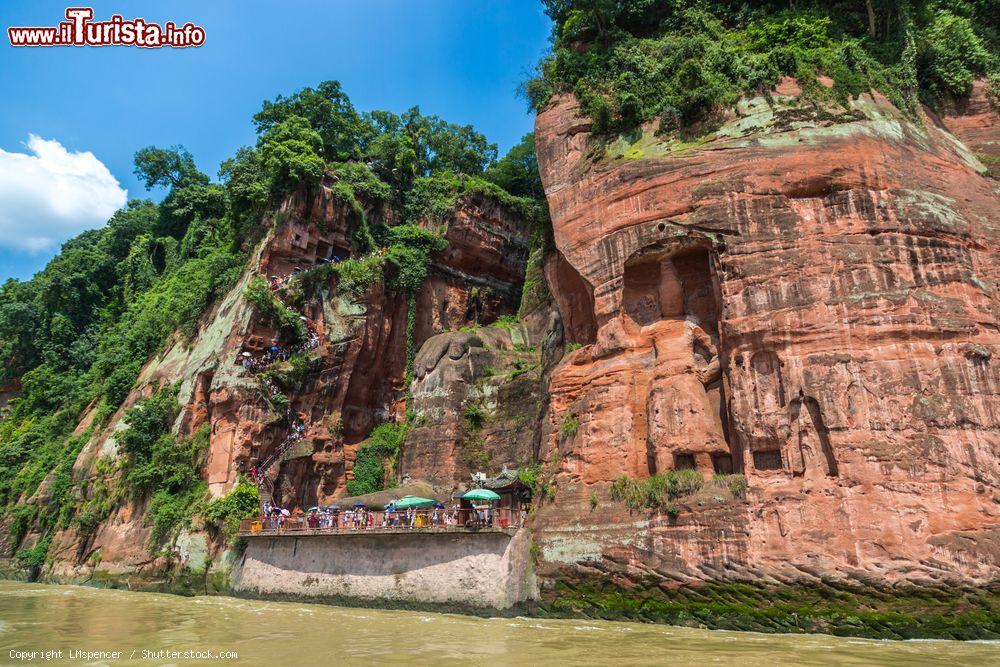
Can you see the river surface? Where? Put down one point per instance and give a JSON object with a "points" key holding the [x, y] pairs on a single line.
{"points": [[35, 617]]}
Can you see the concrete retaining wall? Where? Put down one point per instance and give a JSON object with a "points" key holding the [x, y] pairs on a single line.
{"points": [[479, 570]]}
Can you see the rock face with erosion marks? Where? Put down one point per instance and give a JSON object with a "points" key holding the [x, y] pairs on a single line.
{"points": [[312, 406], [475, 405], [763, 358], [478, 277], [806, 297]]}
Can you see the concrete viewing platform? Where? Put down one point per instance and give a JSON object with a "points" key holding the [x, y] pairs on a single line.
{"points": [[453, 566]]}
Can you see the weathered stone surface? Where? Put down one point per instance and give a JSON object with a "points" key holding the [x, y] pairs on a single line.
{"points": [[475, 405], [808, 296], [479, 275], [974, 121], [456, 571], [355, 379]]}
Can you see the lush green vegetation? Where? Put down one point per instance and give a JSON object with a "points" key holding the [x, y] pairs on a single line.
{"points": [[653, 492], [291, 374], [225, 513], [681, 62], [284, 319], [434, 197], [474, 415], [570, 425], [735, 484], [379, 450], [160, 466], [74, 338], [77, 334], [378, 156], [657, 491]]}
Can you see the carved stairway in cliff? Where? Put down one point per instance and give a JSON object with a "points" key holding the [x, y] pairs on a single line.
{"points": [[265, 487], [259, 472]]}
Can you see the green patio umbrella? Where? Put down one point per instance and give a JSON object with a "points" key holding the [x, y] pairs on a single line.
{"points": [[407, 502], [481, 494]]}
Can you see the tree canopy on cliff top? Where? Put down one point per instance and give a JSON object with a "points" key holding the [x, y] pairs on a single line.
{"points": [[75, 337], [681, 61]]}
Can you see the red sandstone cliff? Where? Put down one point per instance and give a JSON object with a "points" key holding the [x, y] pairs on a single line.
{"points": [[807, 296], [355, 379]]}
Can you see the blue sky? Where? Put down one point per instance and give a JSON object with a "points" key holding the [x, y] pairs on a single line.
{"points": [[460, 59]]}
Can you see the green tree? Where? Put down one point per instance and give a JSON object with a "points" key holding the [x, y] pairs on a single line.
{"points": [[21, 318], [138, 217], [328, 111], [198, 200], [517, 172], [951, 55], [137, 270], [191, 192], [166, 167], [247, 188], [411, 145], [393, 152], [289, 154]]}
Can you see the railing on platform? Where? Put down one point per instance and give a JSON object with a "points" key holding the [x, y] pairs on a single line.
{"points": [[380, 520]]}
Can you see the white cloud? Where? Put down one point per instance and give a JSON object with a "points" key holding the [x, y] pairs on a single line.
{"points": [[49, 195]]}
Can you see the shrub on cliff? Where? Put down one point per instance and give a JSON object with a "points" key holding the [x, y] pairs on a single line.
{"points": [[951, 55], [225, 513], [159, 465], [410, 249], [286, 320], [101, 495], [434, 198], [356, 276], [570, 425], [379, 450], [35, 556], [681, 62], [653, 493], [404, 264], [292, 374]]}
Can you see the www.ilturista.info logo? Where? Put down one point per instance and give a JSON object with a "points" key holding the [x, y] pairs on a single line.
{"points": [[80, 30]]}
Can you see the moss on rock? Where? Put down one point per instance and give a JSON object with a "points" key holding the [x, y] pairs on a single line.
{"points": [[891, 613]]}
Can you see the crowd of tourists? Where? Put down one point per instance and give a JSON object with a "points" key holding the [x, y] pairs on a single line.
{"points": [[295, 433], [276, 283], [277, 352], [361, 517], [273, 517]]}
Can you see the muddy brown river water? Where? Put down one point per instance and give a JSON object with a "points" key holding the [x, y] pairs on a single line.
{"points": [[117, 627]]}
